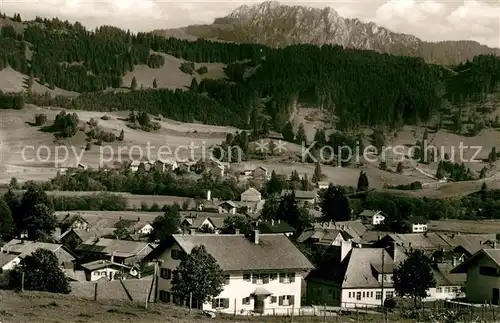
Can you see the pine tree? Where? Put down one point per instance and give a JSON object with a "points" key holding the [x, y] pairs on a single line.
{"points": [[288, 133], [440, 171], [133, 84], [399, 168], [155, 84], [122, 135], [194, 85], [493, 155], [318, 175], [363, 184], [301, 135]]}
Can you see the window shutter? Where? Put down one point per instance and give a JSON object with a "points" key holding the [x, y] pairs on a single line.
{"points": [[266, 280], [226, 302], [281, 301], [292, 278], [282, 279], [214, 303], [244, 300], [291, 299], [254, 279]]}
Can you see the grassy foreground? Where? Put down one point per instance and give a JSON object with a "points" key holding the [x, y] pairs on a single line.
{"points": [[45, 308]]}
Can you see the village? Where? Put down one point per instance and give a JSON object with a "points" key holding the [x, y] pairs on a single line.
{"points": [[347, 265]]}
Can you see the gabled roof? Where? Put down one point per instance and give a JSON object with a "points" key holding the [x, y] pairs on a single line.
{"points": [[299, 194], [471, 243], [428, 240], [251, 191], [276, 227], [230, 203], [99, 264], [121, 248], [360, 262], [444, 276], [493, 254], [236, 252], [369, 213], [418, 220], [20, 247]]}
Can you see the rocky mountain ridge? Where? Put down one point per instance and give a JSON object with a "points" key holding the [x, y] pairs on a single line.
{"points": [[277, 25]]}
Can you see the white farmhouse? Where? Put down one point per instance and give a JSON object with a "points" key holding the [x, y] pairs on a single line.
{"points": [[105, 269], [372, 217], [263, 273], [357, 277], [418, 224]]}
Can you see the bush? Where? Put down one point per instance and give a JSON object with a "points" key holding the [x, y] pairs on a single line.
{"points": [[40, 119], [156, 61], [202, 70], [66, 124], [88, 146], [105, 117], [93, 123], [187, 67]]}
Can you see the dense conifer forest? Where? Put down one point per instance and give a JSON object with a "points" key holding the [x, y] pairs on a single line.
{"points": [[362, 88]]}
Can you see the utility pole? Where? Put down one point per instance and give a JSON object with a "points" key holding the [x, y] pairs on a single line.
{"points": [[383, 276]]}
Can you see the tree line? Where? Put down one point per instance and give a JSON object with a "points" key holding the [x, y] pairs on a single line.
{"points": [[360, 87]]}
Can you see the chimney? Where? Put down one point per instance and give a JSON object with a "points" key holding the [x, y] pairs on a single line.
{"points": [[454, 261], [236, 231], [209, 195], [344, 249], [256, 236]]}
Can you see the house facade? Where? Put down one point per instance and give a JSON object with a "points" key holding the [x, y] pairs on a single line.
{"points": [[372, 217], [269, 283], [228, 207], [302, 197], [483, 276], [354, 277], [260, 172], [251, 195], [105, 269]]}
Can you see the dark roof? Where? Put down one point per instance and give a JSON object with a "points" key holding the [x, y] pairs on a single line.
{"points": [[275, 227], [236, 252], [300, 194], [121, 248], [418, 220], [493, 254], [99, 264], [444, 277]]}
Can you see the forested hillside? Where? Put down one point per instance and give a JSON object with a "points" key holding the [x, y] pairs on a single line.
{"points": [[359, 87]]}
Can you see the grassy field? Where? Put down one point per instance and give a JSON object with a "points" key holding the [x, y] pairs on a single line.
{"points": [[50, 308]]}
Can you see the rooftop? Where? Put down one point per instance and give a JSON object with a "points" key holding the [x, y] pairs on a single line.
{"points": [[275, 227], [300, 194], [99, 264], [251, 191], [121, 248], [236, 252]]}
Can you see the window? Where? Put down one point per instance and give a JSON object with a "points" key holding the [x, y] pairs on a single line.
{"points": [[287, 278], [349, 294], [455, 289], [176, 254], [439, 290], [286, 300], [274, 299], [358, 296], [488, 271], [389, 294], [166, 273], [245, 301], [220, 303], [260, 278], [371, 294], [446, 289], [363, 295], [96, 273], [247, 277], [378, 295], [227, 279], [330, 291], [273, 276]]}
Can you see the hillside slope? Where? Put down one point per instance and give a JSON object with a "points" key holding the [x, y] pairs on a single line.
{"points": [[277, 25]]}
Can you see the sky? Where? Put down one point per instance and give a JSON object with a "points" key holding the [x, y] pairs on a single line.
{"points": [[430, 20]]}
